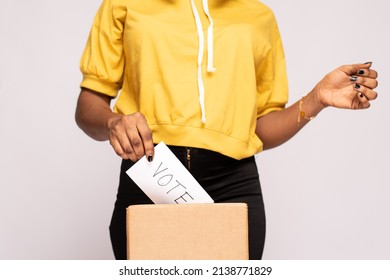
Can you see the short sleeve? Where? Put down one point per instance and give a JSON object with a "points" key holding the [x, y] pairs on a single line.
{"points": [[102, 62], [271, 76]]}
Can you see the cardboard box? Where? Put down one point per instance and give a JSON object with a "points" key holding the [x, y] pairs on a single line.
{"points": [[215, 231]]}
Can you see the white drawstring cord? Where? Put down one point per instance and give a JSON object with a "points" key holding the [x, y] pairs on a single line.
{"points": [[210, 38], [210, 57], [200, 59]]}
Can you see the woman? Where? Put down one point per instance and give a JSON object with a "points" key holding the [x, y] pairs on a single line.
{"points": [[208, 78]]}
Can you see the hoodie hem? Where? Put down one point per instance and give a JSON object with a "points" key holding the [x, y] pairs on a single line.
{"points": [[200, 137]]}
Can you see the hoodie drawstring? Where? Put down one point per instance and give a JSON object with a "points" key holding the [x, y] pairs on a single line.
{"points": [[210, 47], [210, 38]]}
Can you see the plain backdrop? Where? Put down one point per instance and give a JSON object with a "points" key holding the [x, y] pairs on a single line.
{"points": [[326, 191]]}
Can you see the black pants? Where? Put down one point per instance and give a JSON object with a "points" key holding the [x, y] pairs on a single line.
{"points": [[225, 180]]}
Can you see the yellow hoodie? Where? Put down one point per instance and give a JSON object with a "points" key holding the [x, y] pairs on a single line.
{"points": [[200, 71]]}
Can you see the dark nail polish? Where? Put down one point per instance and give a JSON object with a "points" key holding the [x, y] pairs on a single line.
{"points": [[361, 95], [360, 72], [368, 62], [150, 158], [353, 78], [357, 86]]}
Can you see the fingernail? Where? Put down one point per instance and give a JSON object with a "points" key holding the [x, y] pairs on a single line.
{"points": [[370, 62], [360, 72], [353, 78], [150, 158], [361, 95], [357, 86]]}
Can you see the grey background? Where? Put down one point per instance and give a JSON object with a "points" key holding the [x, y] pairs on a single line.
{"points": [[326, 191]]}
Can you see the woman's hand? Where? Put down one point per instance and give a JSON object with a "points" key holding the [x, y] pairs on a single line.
{"points": [[348, 87], [131, 137]]}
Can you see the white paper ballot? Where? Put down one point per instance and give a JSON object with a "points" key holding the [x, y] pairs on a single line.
{"points": [[165, 180]]}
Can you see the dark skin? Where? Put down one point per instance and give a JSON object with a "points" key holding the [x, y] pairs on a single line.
{"points": [[131, 137]]}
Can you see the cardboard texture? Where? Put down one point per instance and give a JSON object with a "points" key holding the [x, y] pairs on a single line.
{"points": [[213, 231]]}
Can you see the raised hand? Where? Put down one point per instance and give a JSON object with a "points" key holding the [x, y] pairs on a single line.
{"points": [[348, 87]]}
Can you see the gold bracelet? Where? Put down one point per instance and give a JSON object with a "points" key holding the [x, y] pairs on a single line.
{"points": [[302, 113]]}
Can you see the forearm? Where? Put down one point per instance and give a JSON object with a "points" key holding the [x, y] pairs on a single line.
{"points": [[94, 115], [278, 127]]}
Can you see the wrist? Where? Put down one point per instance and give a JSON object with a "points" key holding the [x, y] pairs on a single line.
{"points": [[316, 100], [111, 121], [321, 96], [309, 106]]}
